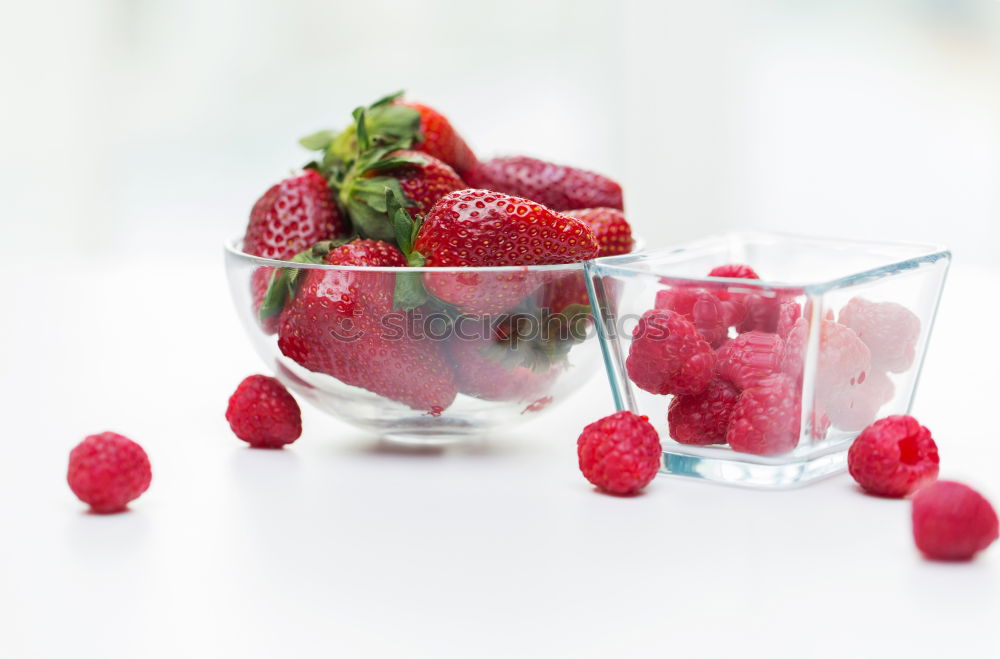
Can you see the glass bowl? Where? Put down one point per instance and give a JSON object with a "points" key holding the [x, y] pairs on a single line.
{"points": [[517, 342], [840, 328]]}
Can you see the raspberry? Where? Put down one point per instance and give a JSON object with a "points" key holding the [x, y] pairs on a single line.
{"points": [[788, 313], [735, 303], [893, 457], [793, 359], [734, 271], [889, 330], [262, 413], [856, 407], [107, 471], [761, 313], [952, 522], [820, 423], [620, 453], [844, 360], [749, 358], [766, 418], [668, 356], [702, 308], [703, 418]]}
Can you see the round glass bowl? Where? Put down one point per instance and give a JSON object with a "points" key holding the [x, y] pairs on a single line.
{"points": [[378, 349]]}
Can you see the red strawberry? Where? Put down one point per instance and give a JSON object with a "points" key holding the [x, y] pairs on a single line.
{"points": [[488, 370], [420, 178], [337, 324], [564, 291], [613, 232], [471, 228], [291, 216], [439, 139], [559, 187], [393, 122]]}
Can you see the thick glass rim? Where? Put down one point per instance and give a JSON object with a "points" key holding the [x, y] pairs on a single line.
{"points": [[630, 264], [234, 248]]}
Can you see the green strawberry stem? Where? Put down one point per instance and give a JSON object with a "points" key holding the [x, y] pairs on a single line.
{"points": [[364, 196], [384, 125]]}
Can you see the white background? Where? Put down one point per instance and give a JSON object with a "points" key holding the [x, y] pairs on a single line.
{"points": [[135, 137]]}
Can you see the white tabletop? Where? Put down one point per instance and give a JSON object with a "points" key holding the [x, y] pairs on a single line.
{"points": [[339, 546]]}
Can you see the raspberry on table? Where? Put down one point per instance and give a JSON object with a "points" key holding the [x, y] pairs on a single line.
{"points": [[107, 471], [620, 453], [766, 419], [952, 522], [750, 357], [703, 418], [668, 355], [889, 330], [262, 413], [893, 457]]}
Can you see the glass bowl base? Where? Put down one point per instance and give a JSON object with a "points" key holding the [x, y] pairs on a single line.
{"points": [[751, 474], [439, 435]]}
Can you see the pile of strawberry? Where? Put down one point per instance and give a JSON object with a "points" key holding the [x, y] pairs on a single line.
{"points": [[734, 362], [400, 187]]}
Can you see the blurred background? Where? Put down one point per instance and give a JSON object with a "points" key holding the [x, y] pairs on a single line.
{"points": [[139, 129]]}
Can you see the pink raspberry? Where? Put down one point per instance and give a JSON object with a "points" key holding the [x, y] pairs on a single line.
{"points": [[855, 407], [766, 419], [893, 457], [620, 453], [793, 359], [844, 360], [788, 312], [749, 358], [820, 423], [262, 413], [709, 315], [107, 471], [734, 271], [952, 522], [889, 330], [668, 355], [703, 418]]}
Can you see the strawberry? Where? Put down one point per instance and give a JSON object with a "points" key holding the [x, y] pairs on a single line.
{"points": [[487, 369], [613, 232], [336, 323], [477, 228], [291, 216], [437, 137], [559, 187], [563, 292], [391, 121], [420, 178]]}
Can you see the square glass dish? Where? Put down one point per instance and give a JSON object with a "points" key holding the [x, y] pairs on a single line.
{"points": [[765, 382]]}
